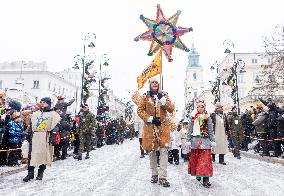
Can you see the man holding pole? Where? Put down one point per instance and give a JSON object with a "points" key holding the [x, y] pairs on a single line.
{"points": [[154, 108]]}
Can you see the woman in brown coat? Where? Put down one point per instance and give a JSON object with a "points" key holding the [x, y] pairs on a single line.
{"points": [[154, 108]]}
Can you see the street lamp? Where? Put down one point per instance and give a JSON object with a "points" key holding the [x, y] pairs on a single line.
{"points": [[105, 59], [90, 37], [233, 78], [216, 84]]}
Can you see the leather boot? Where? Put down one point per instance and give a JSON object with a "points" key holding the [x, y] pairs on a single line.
{"points": [[87, 155], [154, 179], [30, 175], [221, 159], [40, 172], [213, 157], [206, 182], [164, 182]]}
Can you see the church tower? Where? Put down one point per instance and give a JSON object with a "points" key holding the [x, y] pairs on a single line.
{"points": [[193, 82]]}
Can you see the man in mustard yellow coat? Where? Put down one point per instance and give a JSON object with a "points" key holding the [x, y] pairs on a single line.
{"points": [[154, 109]]}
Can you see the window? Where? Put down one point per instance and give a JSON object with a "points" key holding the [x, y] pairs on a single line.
{"points": [[195, 94], [59, 90], [49, 85], [240, 78], [54, 86], [194, 76], [269, 60], [63, 90], [241, 93], [36, 84], [1, 83], [254, 60]]}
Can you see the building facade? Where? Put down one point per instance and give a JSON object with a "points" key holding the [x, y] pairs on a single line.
{"points": [[30, 81], [247, 79]]}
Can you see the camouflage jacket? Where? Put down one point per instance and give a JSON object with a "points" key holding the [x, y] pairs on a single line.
{"points": [[235, 124], [87, 122]]}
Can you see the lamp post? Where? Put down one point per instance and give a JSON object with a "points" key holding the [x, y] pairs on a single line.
{"points": [[233, 78], [105, 59], [90, 37], [216, 84]]}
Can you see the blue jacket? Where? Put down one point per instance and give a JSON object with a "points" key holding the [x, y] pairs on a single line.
{"points": [[16, 131]]}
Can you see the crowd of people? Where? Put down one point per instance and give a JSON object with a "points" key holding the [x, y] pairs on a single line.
{"points": [[50, 131], [201, 136], [40, 134]]}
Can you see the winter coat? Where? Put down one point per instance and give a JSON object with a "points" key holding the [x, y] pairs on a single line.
{"points": [[220, 133], [260, 122], [183, 136], [120, 125], [64, 130], [16, 131], [87, 122], [201, 142], [146, 108], [42, 124], [235, 125], [175, 140], [280, 125]]}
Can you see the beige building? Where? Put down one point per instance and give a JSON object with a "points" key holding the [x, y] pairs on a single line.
{"points": [[246, 80]]}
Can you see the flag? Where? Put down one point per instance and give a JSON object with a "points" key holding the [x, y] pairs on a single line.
{"points": [[154, 68]]}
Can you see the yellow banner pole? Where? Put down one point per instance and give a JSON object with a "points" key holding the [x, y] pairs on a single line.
{"points": [[161, 74]]}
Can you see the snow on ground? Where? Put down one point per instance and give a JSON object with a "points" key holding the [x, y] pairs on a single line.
{"points": [[118, 170]]}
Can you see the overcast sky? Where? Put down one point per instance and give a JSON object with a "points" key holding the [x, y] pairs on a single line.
{"points": [[52, 31]]}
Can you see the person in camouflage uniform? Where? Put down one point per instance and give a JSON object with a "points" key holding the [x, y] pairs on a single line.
{"points": [[120, 126], [235, 127], [87, 122]]}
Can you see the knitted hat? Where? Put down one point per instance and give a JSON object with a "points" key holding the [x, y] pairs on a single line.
{"points": [[46, 100], [15, 105], [153, 79], [218, 105]]}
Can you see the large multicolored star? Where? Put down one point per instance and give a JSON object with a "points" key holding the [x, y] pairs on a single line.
{"points": [[163, 34]]}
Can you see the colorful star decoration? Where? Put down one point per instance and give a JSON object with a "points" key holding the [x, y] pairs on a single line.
{"points": [[163, 33]]}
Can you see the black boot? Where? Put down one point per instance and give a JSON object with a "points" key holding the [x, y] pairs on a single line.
{"points": [[40, 172], [164, 182], [87, 155], [213, 157], [221, 159], [206, 182], [79, 157], [154, 179], [30, 175]]}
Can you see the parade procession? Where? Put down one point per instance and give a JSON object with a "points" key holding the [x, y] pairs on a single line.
{"points": [[193, 105]]}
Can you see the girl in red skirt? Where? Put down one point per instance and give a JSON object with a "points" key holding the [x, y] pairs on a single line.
{"points": [[201, 138]]}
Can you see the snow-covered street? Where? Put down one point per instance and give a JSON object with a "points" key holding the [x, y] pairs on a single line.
{"points": [[118, 170]]}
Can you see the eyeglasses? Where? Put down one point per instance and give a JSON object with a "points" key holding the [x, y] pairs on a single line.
{"points": [[200, 106]]}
